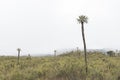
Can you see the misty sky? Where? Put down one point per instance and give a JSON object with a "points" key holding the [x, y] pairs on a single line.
{"points": [[40, 26]]}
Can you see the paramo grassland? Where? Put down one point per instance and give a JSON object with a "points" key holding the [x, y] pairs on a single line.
{"points": [[68, 66]]}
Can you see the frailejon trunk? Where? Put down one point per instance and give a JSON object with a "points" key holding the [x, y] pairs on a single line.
{"points": [[18, 56], [85, 51]]}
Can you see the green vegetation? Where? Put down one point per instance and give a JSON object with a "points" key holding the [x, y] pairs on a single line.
{"points": [[111, 53], [67, 66]]}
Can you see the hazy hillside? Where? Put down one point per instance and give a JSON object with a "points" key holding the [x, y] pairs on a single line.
{"points": [[68, 66]]}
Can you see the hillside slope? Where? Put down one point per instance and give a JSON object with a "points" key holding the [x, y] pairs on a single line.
{"points": [[68, 66]]}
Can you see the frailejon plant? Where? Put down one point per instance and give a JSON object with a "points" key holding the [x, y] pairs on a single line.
{"points": [[18, 49], [55, 53], [83, 19]]}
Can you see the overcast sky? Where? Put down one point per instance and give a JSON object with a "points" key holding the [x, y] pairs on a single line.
{"points": [[40, 26]]}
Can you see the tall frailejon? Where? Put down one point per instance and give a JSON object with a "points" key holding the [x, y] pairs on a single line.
{"points": [[83, 19]]}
